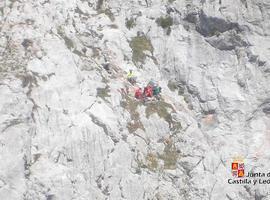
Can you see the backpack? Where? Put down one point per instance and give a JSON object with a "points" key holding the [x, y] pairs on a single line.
{"points": [[157, 90]]}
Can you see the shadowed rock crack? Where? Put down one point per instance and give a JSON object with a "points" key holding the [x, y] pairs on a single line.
{"points": [[209, 26], [104, 127]]}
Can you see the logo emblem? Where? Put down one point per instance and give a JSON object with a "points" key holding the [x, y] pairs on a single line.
{"points": [[238, 168]]}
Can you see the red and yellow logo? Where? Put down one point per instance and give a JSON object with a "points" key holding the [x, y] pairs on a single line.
{"points": [[238, 168]]}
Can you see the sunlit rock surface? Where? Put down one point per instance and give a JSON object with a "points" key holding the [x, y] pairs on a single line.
{"points": [[67, 131]]}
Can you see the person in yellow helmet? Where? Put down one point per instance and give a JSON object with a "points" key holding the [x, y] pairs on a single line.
{"points": [[131, 77], [130, 74]]}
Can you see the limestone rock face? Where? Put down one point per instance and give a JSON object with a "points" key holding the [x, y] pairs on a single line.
{"points": [[68, 131]]}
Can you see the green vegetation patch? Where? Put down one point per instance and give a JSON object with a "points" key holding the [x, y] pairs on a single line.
{"points": [[131, 105], [152, 161], [139, 44], [130, 23], [169, 156], [174, 86], [68, 42], [2, 10], [103, 92], [164, 22], [161, 108]]}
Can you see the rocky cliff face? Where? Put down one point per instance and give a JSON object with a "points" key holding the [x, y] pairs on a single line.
{"points": [[67, 132]]}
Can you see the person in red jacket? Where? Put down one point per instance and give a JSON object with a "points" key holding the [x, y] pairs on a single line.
{"points": [[148, 91], [138, 93]]}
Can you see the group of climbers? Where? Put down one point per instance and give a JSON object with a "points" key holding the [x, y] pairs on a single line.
{"points": [[148, 92], [151, 90]]}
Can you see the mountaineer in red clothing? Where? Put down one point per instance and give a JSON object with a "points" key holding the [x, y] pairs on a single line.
{"points": [[148, 91], [138, 93]]}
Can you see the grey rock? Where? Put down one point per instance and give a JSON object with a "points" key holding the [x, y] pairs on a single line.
{"points": [[71, 130]]}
